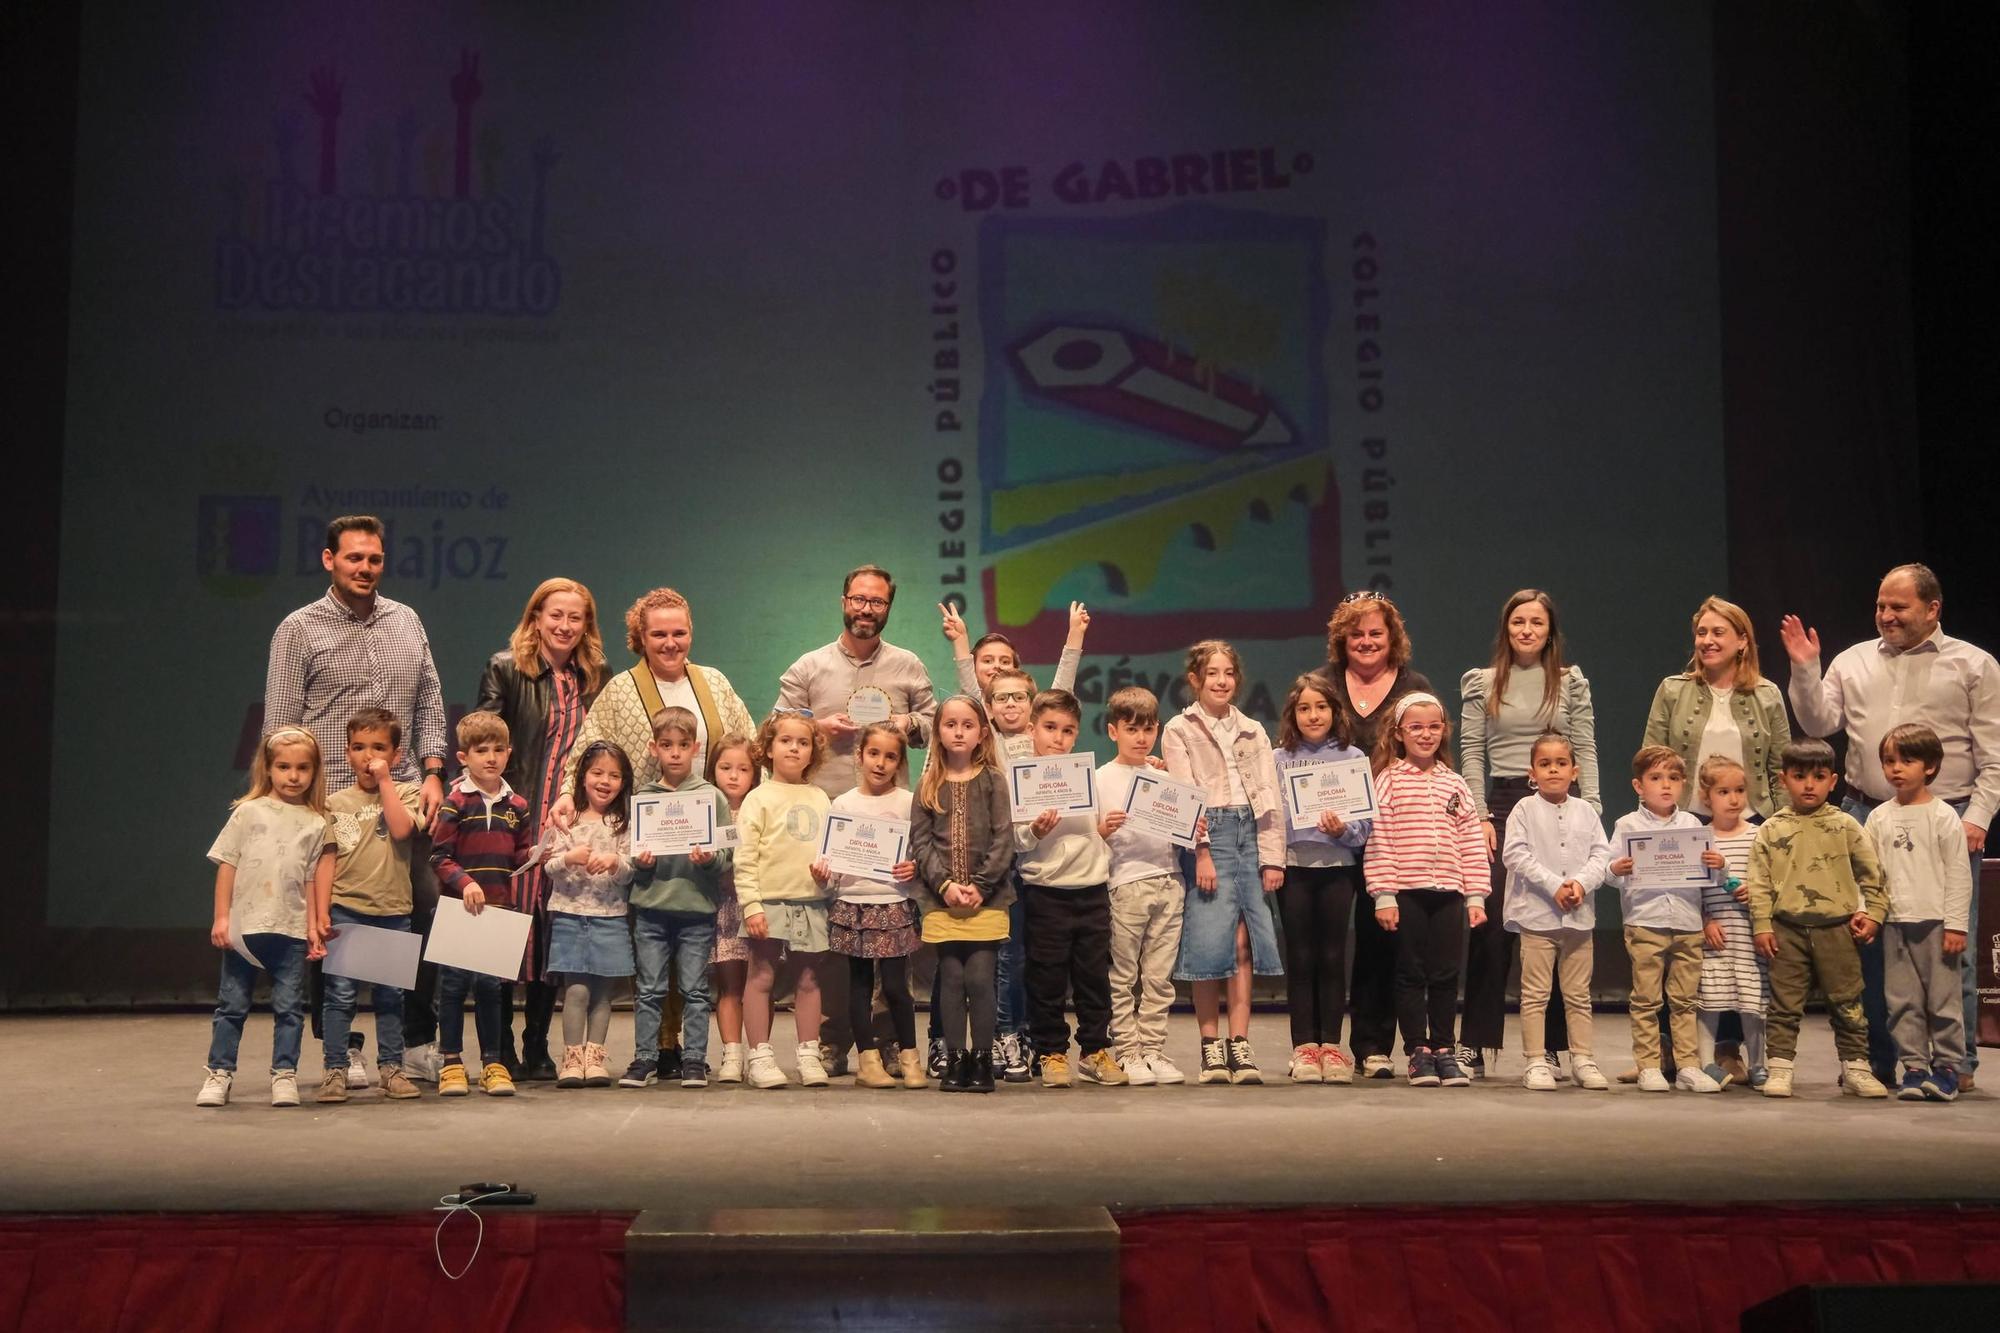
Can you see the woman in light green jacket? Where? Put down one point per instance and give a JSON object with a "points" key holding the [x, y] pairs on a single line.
{"points": [[1749, 726]]}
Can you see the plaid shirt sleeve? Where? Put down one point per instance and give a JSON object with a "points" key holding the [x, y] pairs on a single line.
{"points": [[285, 678], [427, 727]]}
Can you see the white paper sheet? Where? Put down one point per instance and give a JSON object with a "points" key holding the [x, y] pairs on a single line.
{"points": [[494, 942], [372, 954]]}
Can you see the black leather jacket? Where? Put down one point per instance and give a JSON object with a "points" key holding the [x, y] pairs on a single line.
{"points": [[524, 702]]}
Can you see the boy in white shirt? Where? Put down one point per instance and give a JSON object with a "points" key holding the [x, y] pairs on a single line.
{"points": [[1556, 856], [1922, 845], [1662, 928], [1147, 899]]}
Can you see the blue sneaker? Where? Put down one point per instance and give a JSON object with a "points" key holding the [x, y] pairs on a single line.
{"points": [[1759, 1076], [1423, 1068], [1942, 1084], [1719, 1074], [1912, 1087]]}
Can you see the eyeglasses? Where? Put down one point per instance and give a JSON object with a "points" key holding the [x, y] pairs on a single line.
{"points": [[1010, 696], [1422, 728], [1364, 595], [867, 603], [792, 712]]}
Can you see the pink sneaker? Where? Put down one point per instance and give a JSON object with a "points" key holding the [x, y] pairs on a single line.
{"points": [[1333, 1066]]}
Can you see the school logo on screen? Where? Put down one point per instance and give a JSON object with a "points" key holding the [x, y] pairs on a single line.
{"points": [[236, 541], [374, 203], [1153, 433]]}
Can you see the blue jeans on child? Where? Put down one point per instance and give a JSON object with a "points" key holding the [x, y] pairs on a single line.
{"points": [[682, 939], [337, 997], [454, 983], [285, 959]]}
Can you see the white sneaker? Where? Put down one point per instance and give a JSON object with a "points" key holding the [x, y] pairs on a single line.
{"points": [[1652, 1080], [1539, 1077], [1858, 1080], [764, 1071], [1778, 1078], [421, 1063], [215, 1088], [285, 1087], [1304, 1067], [1139, 1070], [1378, 1066], [1691, 1079], [1589, 1076], [1164, 1070], [357, 1071], [812, 1067], [731, 1068]]}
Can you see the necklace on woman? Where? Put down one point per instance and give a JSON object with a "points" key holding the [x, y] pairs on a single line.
{"points": [[1379, 687]]}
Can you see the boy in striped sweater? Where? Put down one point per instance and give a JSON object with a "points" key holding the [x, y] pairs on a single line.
{"points": [[482, 835]]}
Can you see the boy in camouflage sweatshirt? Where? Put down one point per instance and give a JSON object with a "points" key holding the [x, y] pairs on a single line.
{"points": [[1816, 888]]}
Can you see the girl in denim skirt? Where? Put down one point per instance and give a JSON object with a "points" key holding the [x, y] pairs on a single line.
{"points": [[589, 866]]}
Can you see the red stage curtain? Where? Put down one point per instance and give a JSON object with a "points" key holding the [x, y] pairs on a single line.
{"points": [[258, 1272], [1483, 1270]]}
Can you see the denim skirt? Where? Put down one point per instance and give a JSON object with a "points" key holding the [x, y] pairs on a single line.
{"points": [[597, 946], [1208, 926]]}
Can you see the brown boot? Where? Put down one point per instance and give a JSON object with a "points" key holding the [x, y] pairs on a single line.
{"points": [[910, 1064], [871, 1074]]}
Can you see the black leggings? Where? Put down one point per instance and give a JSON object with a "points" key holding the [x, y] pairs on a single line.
{"points": [[1315, 904], [1371, 991], [895, 973], [966, 970], [1430, 931], [1492, 949]]}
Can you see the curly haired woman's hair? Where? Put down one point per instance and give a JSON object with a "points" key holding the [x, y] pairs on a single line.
{"points": [[1350, 613]]}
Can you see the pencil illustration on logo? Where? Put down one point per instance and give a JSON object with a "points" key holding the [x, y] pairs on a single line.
{"points": [[1153, 435]]}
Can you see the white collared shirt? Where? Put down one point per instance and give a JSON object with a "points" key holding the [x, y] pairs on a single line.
{"points": [[1947, 684], [1549, 842], [471, 788]]}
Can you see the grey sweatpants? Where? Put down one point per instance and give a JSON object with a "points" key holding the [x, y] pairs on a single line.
{"points": [[1921, 985]]}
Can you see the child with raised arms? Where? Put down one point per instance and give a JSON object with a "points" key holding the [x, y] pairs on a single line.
{"points": [[1921, 843], [590, 946], [1556, 856], [978, 662], [1427, 874], [962, 836], [1663, 928], [784, 905], [1316, 902], [673, 906], [733, 771], [1239, 860], [872, 923], [482, 834], [373, 822], [274, 864], [1732, 975]]}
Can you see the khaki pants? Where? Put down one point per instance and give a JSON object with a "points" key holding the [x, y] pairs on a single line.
{"points": [[1826, 954], [1145, 941], [1668, 960], [1562, 957]]}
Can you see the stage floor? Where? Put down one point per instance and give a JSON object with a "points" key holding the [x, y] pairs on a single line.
{"points": [[102, 1117]]}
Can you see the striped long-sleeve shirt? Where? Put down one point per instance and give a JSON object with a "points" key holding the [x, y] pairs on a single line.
{"points": [[1427, 834], [479, 839]]}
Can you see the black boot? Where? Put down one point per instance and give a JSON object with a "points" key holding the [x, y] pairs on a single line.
{"points": [[509, 1056], [536, 1064], [957, 1069], [979, 1071]]}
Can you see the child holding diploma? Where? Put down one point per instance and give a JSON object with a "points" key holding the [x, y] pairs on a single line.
{"points": [[483, 833], [1427, 874], [589, 864], [784, 907], [373, 821], [962, 837], [1556, 857], [1226, 932], [733, 771], [273, 866], [872, 923], [1322, 872], [1663, 931]]}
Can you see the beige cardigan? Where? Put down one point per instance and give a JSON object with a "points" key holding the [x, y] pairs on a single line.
{"points": [[1192, 755]]}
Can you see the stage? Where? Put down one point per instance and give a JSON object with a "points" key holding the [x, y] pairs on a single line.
{"points": [[104, 1121]]}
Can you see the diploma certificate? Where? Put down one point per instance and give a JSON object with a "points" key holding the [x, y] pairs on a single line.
{"points": [[1065, 783], [1165, 807], [863, 845], [672, 823], [1344, 786], [868, 704], [1669, 858]]}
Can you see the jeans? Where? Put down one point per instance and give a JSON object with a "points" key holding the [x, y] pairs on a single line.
{"points": [[453, 985], [683, 940], [337, 1002], [285, 959], [1012, 982]]}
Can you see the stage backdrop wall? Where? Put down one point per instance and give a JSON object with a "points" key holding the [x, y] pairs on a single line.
{"points": [[1202, 318]]}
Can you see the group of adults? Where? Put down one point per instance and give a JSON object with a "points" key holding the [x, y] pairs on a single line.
{"points": [[552, 684]]}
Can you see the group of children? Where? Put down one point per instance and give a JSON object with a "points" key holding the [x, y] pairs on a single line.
{"points": [[1090, 910]]}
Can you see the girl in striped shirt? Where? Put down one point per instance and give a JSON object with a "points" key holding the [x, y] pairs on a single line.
{"points": [[1427, 872], [1732, 975]]}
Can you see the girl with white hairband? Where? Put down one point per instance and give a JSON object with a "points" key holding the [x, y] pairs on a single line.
{"points": [[1427, 874]]}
